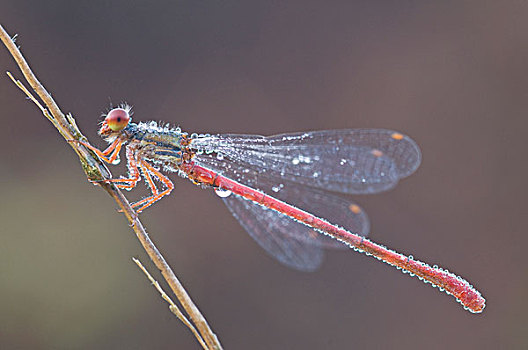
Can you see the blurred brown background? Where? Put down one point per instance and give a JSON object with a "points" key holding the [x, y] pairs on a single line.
{"points": [[453, 75]]}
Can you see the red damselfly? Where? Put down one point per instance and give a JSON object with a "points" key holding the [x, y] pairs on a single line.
{"points": [[282, 189]]}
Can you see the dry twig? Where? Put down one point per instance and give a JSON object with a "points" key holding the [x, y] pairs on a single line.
{"points": [[97, 172], [172, 307]]}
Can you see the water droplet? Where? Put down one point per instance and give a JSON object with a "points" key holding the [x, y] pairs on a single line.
{"points": [[277, 188], [222, 193], [295, 161], [117, 160]]}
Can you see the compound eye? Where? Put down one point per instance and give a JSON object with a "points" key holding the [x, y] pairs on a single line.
{"points": [[117, 119]]}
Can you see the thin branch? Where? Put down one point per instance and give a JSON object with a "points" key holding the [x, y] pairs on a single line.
{"points": [[97, 172], [172, 307]]}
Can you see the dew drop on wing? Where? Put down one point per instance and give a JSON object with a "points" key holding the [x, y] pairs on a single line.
{"points": [[277, 188]]}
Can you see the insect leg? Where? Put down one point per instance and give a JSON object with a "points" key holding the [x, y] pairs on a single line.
{"points": [[155, 197], [133, 171], [113, 149], [148, 179], [151, 185]]}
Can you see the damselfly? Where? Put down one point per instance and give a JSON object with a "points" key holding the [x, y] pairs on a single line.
{"points": [[282, 188]]}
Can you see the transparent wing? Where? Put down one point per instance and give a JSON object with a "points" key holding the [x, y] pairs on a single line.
{"points": [[293, 243], [330, 206], [348, 161], [300, 169], [270, 229], [334, 208]]}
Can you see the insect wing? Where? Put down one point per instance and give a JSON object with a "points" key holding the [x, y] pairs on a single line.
{"points": [[270, 230], [355, 161], [299, 169], [330, 206], [324, 204], [293, 243]]}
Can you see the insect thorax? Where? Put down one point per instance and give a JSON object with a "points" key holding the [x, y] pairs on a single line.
{"points": [[161, 145]]}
